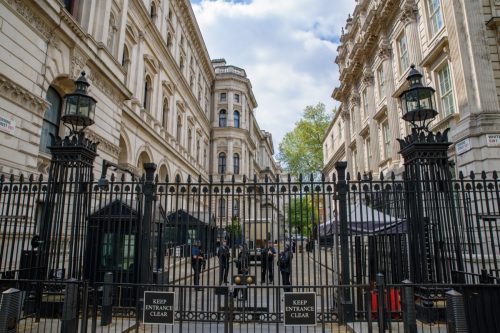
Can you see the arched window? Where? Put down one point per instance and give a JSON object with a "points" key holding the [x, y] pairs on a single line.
{"points": [[111, 32], [125, 59], [148, 88], [164, 119], [179, 129], [222, 163], [153, 10], [222, 207], [169, 41], [222, 118], [236, 164], [51, 120], [236, 119], [190, 139], [198, 151]]}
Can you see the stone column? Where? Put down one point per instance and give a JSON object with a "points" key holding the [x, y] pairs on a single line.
{"points": [[354, 133], [139, 69], [409, 14], [122, 28]]}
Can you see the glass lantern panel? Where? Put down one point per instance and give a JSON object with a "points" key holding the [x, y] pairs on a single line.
{"points": [[84, 106], [412, 101], [71, 105]]}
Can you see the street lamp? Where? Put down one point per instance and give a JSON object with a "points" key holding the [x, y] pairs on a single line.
{"points": [[79, 107], [417, 102]]}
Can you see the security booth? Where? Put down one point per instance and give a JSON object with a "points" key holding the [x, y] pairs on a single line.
{"points": [[183, 229], [114, 229]]}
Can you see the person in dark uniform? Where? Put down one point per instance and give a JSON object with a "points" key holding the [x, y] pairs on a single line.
{"points": [[285, 266], [242, 264], [223, 254], [197, 262], [267, 263]]}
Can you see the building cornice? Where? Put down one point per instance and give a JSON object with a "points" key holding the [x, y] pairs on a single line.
{"points": [[21, 96]]}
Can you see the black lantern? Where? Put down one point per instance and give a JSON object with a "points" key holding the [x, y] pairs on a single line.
{"points": [[417, 102], [79, 109]]}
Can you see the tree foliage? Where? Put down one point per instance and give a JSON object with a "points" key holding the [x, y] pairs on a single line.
{"points": [[300, 151], [303, 211]]}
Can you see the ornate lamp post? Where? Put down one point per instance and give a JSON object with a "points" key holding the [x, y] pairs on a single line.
{"points": [[79, 107], [432, 231]]}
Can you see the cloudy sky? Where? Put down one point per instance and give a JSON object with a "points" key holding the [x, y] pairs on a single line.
{"points": [[287, 48]]}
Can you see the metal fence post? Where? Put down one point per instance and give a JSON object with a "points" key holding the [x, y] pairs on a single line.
{"points": [[69, 319], [408, 307], [455, 312], [381, 310], [9, 310], [346, 306], [145, 258], [107, 299]]}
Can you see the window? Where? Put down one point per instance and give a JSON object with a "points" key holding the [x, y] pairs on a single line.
{"points": [[386, 137], [222, 207], [368, 153], [446, 91], [190, 140], [72, 7], [403, 54], [223, 97], [435, 16], [353, 122], [111, 33], [380, 81], [51, 120], [222, 118], [179, 129], [236, 164], [236, 208], [125, 60], [222, 163], [236, 98], [204, 157], [364, 95], [169, 41], [198, 151], [340, 131], [164, 120], [354, 163], [236, 119], [147, 93], [153, 10]]}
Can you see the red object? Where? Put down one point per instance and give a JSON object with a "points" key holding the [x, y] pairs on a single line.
{"points": [[392, 303]]}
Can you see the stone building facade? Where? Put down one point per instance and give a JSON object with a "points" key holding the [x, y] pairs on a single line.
{"points": [[455, 45], [159, 95]]}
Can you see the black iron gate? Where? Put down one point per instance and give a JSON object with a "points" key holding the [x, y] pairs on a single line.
{"points": [[140, 235]]}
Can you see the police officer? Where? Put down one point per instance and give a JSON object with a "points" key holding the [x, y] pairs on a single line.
{"points": [[285, 266], [267, 262], [223, 255], [197, 262]]}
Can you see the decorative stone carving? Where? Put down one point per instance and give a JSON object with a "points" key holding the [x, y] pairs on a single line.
{"points": [[384, 49], [34, 20], [354, 99], [78, 61], [22, 97], [104, 144], [409, 12], [101, 83]]}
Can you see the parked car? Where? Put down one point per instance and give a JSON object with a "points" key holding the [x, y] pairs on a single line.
{"points": [[255, 255]]}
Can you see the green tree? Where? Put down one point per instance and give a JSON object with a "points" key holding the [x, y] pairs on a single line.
{"points": [[300, 151], [303, 211]]}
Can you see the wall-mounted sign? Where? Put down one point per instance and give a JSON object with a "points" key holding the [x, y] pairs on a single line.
{"points": [[463, 146], [300, 309], [493, 140], [158, 307], [6, 125]]}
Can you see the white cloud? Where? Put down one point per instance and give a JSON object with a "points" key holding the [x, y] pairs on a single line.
{"points": [[287, 48]]}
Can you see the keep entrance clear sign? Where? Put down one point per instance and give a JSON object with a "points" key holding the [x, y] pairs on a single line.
{"points": [[158, 307], [300, 309]]}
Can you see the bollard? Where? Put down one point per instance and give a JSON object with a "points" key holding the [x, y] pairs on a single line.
{"points": [[107, 299], [408, 308], [9, 310], [69, 320], [455, 312]]}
